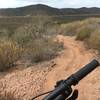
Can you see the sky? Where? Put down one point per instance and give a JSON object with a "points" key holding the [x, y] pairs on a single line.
{"points": [[52, 3]]}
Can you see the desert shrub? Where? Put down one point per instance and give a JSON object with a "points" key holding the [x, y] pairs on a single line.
{"points": [[4, 33], [91, 21], [29, 32], [90, 32], [94, 40], [23, 35], [37, 40], [42, 49], [9, 54], [55, 29], [87, 27], [80, 27], [84, 33], [70, 28]]}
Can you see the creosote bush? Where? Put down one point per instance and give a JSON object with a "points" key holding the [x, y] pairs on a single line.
{"points": [[9, 54]]}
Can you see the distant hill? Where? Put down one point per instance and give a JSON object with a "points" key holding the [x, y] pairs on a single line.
{"points": [[30, 10], [40, 9], [84, 10]]}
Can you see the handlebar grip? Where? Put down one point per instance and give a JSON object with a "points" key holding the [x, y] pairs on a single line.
{"points": [[72, 80], [85, 70]]}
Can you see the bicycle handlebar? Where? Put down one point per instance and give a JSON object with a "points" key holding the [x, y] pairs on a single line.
{"points": [[72, 80]]}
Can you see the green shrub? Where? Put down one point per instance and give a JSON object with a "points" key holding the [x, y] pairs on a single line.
{"points": [[70, 28], [87, 27], [94, 40], [9, 54], [84, 33]]}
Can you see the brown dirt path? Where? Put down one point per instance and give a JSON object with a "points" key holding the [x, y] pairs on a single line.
{"points": [[28, 82], [75, 56]]}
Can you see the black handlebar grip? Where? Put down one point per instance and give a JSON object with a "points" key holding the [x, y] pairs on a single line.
{"points": [[73, 80], [85, 70]]}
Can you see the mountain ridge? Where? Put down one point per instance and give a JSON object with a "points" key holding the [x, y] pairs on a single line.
{"points": [[40, 9]]}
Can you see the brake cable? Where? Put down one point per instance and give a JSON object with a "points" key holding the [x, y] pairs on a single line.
{"points": [[41, 94]]}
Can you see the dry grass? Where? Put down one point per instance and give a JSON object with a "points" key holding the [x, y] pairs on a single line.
{"points": [[9, 54]]}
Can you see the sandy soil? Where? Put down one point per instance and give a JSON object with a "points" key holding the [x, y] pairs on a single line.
{"points": [[28, 82]]}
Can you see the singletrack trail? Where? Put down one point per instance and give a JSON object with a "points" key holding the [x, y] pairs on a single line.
{"points": [[74, 56], [26, 82]]}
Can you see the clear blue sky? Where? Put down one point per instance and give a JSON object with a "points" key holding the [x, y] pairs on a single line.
{"points": [[53, 3]]}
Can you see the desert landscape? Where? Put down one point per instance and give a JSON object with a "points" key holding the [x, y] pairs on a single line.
{"points": [[39, 48]]}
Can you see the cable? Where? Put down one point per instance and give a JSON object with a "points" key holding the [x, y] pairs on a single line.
{"points": [[41, 94]]}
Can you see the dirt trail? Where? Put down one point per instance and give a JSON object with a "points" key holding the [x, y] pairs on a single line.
{"points": [[27, 82], [74, 56]]}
